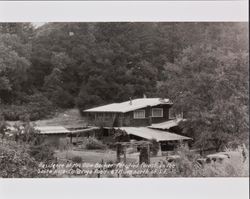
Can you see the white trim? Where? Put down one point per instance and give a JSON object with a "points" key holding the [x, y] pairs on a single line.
{"points": [[135, 117], [157, 109]]}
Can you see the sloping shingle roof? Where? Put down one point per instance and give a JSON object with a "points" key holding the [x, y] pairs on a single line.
{"points": [[127, 106], [149, 134]]}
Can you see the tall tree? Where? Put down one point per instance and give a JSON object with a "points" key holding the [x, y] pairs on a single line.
{"points": [[214, 94]]}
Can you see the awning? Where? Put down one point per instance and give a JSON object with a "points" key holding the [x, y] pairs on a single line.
{"points": [[62, 130], [148, 133], [52, 130], [84, 130], [167, 125]]}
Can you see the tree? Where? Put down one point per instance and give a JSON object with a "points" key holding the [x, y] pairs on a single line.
{"points": [[3, 127], [54, 82], [89, 64], [214, 96], [14, 65]]}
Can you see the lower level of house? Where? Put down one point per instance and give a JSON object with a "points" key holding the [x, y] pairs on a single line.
{"points": [[168, 141]]}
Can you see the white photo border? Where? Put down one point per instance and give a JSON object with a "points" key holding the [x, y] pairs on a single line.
{"points": [[157, 11], [104, 11]]}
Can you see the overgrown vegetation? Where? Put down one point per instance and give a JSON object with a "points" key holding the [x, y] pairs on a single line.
{"points": [[154, 147], [93, 143], [16, 162], [236, 166], [77, 159], [22, 150]]}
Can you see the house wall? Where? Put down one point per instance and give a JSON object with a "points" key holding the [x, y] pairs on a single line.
{"points": [[127, 119], [101, 119], [54, 139], [165, 114]]}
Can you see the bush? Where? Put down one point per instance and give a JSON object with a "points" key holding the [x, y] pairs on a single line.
{"points": [[35, 143], [15, 162], [93, 143], [154, 148], [36, 107], [42, 153], [77, 159], [64, 144]]}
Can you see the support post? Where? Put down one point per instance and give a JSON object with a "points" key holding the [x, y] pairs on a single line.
{"points": [[159, 151], [118, 152], [144, 155], [124, 152], [70, 138]]}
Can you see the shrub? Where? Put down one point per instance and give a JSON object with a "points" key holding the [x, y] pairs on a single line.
{"points": [[93, 143], [15, 162], [42, 153], [186, 165], [77, 159], [36, 145], [154, 148], [64, 144]]}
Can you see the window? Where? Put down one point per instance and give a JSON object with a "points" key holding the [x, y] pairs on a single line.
{"points": [[139, 114], [157, 112]]}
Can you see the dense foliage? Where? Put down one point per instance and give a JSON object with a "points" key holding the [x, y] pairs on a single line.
{"points": [[22, 150], [15, 162], [202, 67], [93, 143]]}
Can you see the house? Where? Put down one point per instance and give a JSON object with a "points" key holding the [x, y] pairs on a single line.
{"points": [[140, 119], [136, 112]]}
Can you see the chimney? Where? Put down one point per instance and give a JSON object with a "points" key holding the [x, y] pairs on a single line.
{"points": [[71, 34], [130, 101]]}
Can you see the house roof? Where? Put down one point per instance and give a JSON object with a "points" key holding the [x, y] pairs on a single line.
{"points": [[149, 134], [52, 129], [90, 128], [167, 125], [61, 130], [128, 106]]}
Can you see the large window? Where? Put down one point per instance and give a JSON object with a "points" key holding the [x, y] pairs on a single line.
{"points": [[139, 114], [157, 112]]}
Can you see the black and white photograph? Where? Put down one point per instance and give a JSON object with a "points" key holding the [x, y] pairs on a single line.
{"points": [[124, 99]]}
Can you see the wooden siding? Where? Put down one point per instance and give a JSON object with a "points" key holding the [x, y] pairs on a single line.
{"points": [[127, 119]]}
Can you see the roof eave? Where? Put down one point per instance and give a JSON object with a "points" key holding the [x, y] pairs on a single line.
{"points": [[93, 111]]}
